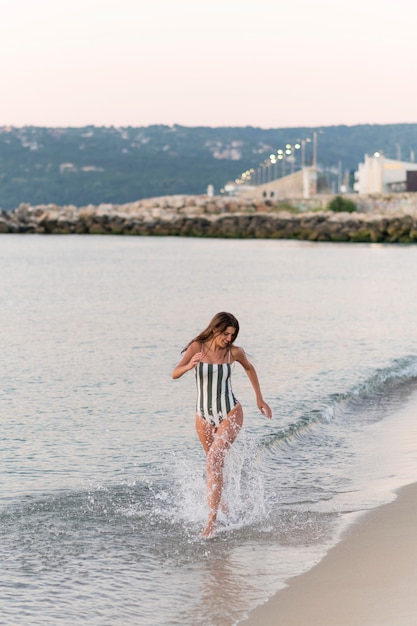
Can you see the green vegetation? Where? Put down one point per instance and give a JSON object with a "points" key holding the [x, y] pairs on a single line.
{"points": [[94, 165], [286, 207], [341, 205]]}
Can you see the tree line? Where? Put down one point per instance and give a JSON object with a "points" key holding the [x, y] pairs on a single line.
{"points": [[95, 165]]}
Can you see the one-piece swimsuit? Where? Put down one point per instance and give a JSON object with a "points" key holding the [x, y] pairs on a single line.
{"points": [[215, 398]]}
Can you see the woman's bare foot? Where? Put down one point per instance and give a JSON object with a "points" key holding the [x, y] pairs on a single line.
{"points": [[224, 508], [210, 528]]}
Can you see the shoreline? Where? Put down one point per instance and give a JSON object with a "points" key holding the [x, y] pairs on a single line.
{"points": [[369, 578]]}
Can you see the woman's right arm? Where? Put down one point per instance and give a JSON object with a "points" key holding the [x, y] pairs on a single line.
{"points": [[191, 358]]}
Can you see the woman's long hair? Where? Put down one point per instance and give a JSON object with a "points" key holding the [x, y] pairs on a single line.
{"points": [[217, 325]]}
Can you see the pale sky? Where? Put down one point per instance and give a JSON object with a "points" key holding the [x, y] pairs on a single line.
{"points": [[263, 63]]}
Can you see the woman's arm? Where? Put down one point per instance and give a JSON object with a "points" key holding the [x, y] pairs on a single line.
{"points": [[190, 359], [240, 356]]}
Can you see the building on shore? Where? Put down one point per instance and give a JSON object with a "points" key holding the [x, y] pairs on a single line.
{"points": [[301, 184], [379, 175]]}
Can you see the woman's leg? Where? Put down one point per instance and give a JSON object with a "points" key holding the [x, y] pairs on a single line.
{"points": [[223, 438], [205, 432]]}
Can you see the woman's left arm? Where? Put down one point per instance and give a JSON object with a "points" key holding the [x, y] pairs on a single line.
{"points": [[240, 356]]}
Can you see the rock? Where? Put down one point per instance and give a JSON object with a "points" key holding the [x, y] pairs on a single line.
{"points": [[393, 219], [4, 225]]}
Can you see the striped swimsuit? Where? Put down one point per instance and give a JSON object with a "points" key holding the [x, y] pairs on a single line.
{"points": [[215, 398]]}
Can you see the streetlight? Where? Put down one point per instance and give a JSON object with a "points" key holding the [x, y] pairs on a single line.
{"points": [[308, 140], [303, 152], [280, 157], [263, 173], [297, 146], [289, 155], [273, 160], [284, 159], [268, 165]]}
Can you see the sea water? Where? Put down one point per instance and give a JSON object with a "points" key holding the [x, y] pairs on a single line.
{"points": [[103, 479]]}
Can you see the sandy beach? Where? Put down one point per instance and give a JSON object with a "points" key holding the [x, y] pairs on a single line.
{"points": [[368, 579]]}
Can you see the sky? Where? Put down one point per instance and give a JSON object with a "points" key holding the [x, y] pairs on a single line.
{"points": [[261, 63]]}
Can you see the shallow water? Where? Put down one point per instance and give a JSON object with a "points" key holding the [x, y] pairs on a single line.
{"points": [[103, 478]]}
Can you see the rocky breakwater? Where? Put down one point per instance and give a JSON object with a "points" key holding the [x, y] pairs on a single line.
{"points": [[202, 216]]}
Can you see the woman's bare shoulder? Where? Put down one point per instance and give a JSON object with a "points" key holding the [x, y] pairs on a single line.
{"points": [[193, 347], [237, 353]]}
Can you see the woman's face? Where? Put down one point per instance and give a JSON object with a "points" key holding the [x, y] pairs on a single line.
{"points": [[226, 337]]}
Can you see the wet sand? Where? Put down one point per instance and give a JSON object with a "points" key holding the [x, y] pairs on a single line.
{"points": [[368, 579]]}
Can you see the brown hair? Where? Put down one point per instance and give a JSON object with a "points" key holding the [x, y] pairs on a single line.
{"points": [[217, 325]]}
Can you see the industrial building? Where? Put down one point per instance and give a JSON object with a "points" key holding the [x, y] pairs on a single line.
{"points": [[380, 175]]}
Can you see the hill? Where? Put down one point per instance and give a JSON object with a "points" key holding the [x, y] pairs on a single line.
{"points": [[94, 165]]}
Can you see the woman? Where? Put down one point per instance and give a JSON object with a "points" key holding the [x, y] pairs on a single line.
{"points": [[219, 416]]}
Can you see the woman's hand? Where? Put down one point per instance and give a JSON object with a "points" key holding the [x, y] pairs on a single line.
{"points": [[195, 360], [187, 363], [265, 409]]}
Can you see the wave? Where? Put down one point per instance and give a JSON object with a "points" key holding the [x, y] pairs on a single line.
{"points": [[382, 391], [369, 400]]}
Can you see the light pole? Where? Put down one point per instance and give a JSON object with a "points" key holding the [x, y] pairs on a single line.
{"points": [[280, 157], [297, 146], [268, 165], [273, 161], [288, 152], [262, 173]]}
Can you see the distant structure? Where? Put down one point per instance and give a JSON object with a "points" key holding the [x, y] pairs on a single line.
{"points": [[379, 175], [301, 184], [270, 180]]}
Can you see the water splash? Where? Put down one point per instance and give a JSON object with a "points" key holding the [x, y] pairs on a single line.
{"points": [[243, 493]]}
